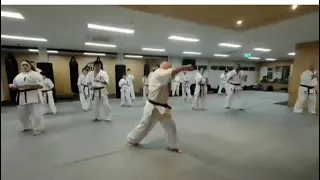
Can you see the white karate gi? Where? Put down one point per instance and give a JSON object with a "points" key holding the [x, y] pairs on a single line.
{"points": [[125, 93], [145, 83], [38, 70], [30, 102], [84, 92], [49, 104], [222, 82], [233, 87], [200, 92], [100, 102], [175, 85], [307, 91], [186, 87], [130, 79], [158, 92]]}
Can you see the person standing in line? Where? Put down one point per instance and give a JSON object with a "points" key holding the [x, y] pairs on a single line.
{"points": [[29, 99], [47, 94], [186, 87], [125, 92], [130, 79], [222, 81], [84, 90], [307, 91], [99, 80], [145, 83], [157, 108], [234, 81], [200, 92], [176, 85]]}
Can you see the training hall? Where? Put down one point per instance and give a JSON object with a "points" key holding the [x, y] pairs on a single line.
{"points": [[265, 140]]}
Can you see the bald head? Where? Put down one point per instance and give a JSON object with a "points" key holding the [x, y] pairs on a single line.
{"points": [[165, 65]]}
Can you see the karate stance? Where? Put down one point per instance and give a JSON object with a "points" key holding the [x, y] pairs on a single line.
{"points": [[200, 92], [29, 99], [186, 87], [175, 85], [130, 79], [98, 80], [125, 92], [47, 94], [156, 108], [222, 81], [84, 90], [308, 82], [145, 83], [234, 81]]}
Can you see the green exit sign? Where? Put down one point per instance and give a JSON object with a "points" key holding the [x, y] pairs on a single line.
{"points": [[247, 55]]}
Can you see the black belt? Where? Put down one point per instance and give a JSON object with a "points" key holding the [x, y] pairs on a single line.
{"points": [[159, 104], [235, 84], [97, 89], [308, 88], [25, 95], [46, 92], [83, 90], [146, 85]]}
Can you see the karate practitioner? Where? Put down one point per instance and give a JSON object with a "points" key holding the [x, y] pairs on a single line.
{"points": [[125, 92], [130, 79], [29, 99], [84, 90], [156, 108], [99, 80], [145, 83], [222, 81], [35, 67], [233, 85], [200, 92], [49, 105], [176, 85], [308, 82], [186, 87]]}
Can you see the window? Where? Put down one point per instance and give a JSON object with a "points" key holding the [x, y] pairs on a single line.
{"points": [[202, 67], [229, 68], [214, 67], [285, 72], [270, 73], [251, 69], [222, 68], [245, 68]]}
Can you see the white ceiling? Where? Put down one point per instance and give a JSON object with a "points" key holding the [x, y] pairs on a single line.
{"points": [[65, 27]]}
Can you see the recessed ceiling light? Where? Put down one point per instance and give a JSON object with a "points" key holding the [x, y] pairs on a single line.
{"points": [[100, 45], [292, 54], [52, 51], [94, 54], [23, 38], [293, 7], [253, 58], [133, 56], [230, 45], [270, 59], [33, 50], [108, 28], [11, 15], [153, 49], [221, 55], [261, 49], [179, 38], [190, 52], [239, 22]]}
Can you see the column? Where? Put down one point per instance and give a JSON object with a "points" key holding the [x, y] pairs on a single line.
{"points": [[43, 55], [306, 54], [120, 59]]}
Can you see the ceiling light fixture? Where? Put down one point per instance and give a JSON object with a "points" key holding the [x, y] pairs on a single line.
{"points": [[11, 15], [295, 6], [23, 38], [153, 49], [230, 45], [221, 55], [262, 49], [52, 51], [190, 52], [108, 28], [33, 50], [239, 22], [292, 54], [270, 59], [253, 58], [133, 56], [179, 38], [94, 54], [100, 45]]}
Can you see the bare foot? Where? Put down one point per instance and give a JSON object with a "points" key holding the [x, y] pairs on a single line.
{"points": [[176, 150]]}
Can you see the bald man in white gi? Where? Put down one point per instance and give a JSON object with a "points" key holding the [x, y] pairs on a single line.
{"points": [[156, 108], [307, 91]]}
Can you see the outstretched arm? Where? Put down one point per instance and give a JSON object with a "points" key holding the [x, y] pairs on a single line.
{"points": [[176, 71]]}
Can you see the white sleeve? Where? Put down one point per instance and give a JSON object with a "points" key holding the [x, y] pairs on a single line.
{"points": [[89, 77], [222, 76], [50, 84], [120, 83], [15, 80], [106, 78], [163, 76], [132, 77], [79, 80], [229, 75], [38, 79]]}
